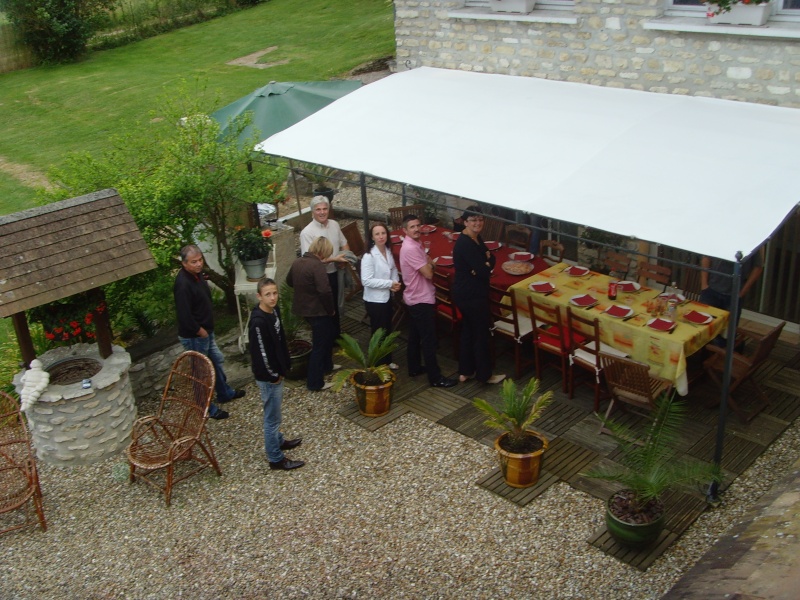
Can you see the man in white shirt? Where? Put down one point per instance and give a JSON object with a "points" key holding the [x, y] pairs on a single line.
{"points": [[322, 226]]}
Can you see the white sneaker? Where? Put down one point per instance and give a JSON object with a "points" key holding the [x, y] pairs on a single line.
{"points": [[326, 386], [495, 379], [394, 366]]}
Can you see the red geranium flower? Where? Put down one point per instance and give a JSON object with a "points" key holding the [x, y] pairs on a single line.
{"points": [[49, 336], [74, 324], [267, 233]]}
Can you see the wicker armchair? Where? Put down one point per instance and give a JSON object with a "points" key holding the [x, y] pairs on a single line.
{"points": [[19, 479], [174, 444]]}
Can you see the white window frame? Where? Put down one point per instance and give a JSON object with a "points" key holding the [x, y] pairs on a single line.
{"points": [[682, 10], [540, 5]]}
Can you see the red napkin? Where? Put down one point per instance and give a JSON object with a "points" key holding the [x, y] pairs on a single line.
{"points": [[427, 229], [615, 310], [542, 286], [492, 245], [627, 286], [585, 300], [577, 270], [523, 256], [445, 261], [661, 324], [697, 317]]}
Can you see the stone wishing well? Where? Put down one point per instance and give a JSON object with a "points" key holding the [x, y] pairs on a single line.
{"points": [[74, 425]]}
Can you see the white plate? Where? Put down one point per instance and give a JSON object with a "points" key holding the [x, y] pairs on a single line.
{"points": [[679, 297], [427, 229], [651, 322], [618, 314], [492, 246], [574, 301], [706, 321], [541, 287], [396, 239], [576, 271], [628, 287], [446, 261], [523, 256]]}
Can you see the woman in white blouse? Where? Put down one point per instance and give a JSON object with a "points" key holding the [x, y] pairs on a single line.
{"points": [[380, 278]]}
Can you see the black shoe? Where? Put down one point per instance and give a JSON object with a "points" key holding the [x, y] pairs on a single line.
{"points": [[422, 371], [289, 444], [220, 414], [286, 465], [445, 382], [236, 395]]}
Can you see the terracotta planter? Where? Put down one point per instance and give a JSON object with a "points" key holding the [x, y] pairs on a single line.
{"points": [[742, 14], [512, 6], [299, 353], [373, 400], [635, 535], [520, 470]]}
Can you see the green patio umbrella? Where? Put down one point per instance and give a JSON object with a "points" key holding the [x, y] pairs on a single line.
{"points": [[279, 105]]}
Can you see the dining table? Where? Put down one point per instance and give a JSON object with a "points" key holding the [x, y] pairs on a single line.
{"points": [[629, 323], [440, 249]]}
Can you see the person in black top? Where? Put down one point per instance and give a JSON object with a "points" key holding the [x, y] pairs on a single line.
{"points": [[473, 264], [196, 322], [269, 359]]}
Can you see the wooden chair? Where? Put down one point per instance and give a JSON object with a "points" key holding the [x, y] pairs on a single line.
{"points": [[19, 479], [508, 323], [354, 271], [651, 272], [175, 439], [691, 284], [492, 229], [446, 310], [744, 368], [630, 382], [398, 213], [585, 352], [549, 335], [517, 236], [617, 263], [551, 251], [355, 240]]}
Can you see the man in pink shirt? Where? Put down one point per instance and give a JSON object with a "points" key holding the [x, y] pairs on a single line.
{"points": [[420, 297]]}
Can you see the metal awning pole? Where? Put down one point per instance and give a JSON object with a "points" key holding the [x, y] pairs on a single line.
{"points": [[364, 205], [294, 180], [736, 285]]}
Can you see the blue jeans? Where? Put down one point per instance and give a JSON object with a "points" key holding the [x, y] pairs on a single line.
{"points": [[208, 347], [271, 399]]}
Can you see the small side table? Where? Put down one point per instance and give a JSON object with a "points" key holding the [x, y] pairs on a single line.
{"points": [[244, 287]]}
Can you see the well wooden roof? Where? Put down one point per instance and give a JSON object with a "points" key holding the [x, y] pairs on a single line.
{"points": [[61, 249]]}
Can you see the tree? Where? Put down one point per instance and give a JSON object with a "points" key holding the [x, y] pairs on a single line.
{"points": [[183, 182], [56, 30]]}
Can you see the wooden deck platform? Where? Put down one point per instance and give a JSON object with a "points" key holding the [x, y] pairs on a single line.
{"points": [[573, 431]]}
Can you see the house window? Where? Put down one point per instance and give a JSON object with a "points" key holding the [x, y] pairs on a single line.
{"points": [[539, 3], [788, 8]]}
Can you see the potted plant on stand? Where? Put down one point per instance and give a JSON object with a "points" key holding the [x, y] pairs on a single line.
{"points": [[373, 382], [739, 12], [519, 449], [320, 178], [251, 246], [647, 468], [296, 331]]}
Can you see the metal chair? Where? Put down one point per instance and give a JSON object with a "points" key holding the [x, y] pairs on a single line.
{"points": [[175, 440], [744, 368], [19, 479], [398, 213], [630, 382], [508, 323]]}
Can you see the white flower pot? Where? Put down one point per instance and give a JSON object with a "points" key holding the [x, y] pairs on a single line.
{"points": [[512, 6], [742, 14]]}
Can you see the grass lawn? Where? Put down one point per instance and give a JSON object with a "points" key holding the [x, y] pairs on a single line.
{"points": [[48, 111]]}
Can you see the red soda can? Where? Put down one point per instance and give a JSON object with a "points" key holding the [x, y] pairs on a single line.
{"points": [[612, 290]]}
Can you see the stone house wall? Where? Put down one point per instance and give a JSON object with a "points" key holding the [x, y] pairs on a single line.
{"points": [[612, 43]]}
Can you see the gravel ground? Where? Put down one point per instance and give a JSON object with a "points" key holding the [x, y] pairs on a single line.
{"points": [[390, 514]]}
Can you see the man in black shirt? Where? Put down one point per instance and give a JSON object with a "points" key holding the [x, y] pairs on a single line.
{"points": [[196, 322]]}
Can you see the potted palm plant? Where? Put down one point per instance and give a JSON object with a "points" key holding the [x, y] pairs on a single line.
{"points": [[519, 449], [251, 246], [647, 468], [295, 329], [372, 381]]}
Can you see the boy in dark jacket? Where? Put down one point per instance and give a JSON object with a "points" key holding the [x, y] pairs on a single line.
{"points": [[269, 357]]}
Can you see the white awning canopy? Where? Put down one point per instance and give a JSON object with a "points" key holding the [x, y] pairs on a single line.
{"points": [[706, 175]]}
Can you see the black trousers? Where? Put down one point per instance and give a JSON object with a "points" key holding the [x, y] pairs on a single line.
{"points": [[380, 315], [473, 355], [422, 341], [320, 361]]}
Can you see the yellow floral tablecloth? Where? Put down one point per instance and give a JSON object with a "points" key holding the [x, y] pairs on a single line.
{"points": [[665, 352]]}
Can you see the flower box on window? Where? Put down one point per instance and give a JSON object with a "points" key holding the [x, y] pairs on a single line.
{"points": [[512, 6], [740, 13]]}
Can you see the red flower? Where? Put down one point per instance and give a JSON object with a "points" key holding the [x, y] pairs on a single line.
{"points": [[267, 233], [49, 336], [88, 319], [65, 337], [77, 331], [58, 330], [74, 324], [90, 335]]}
